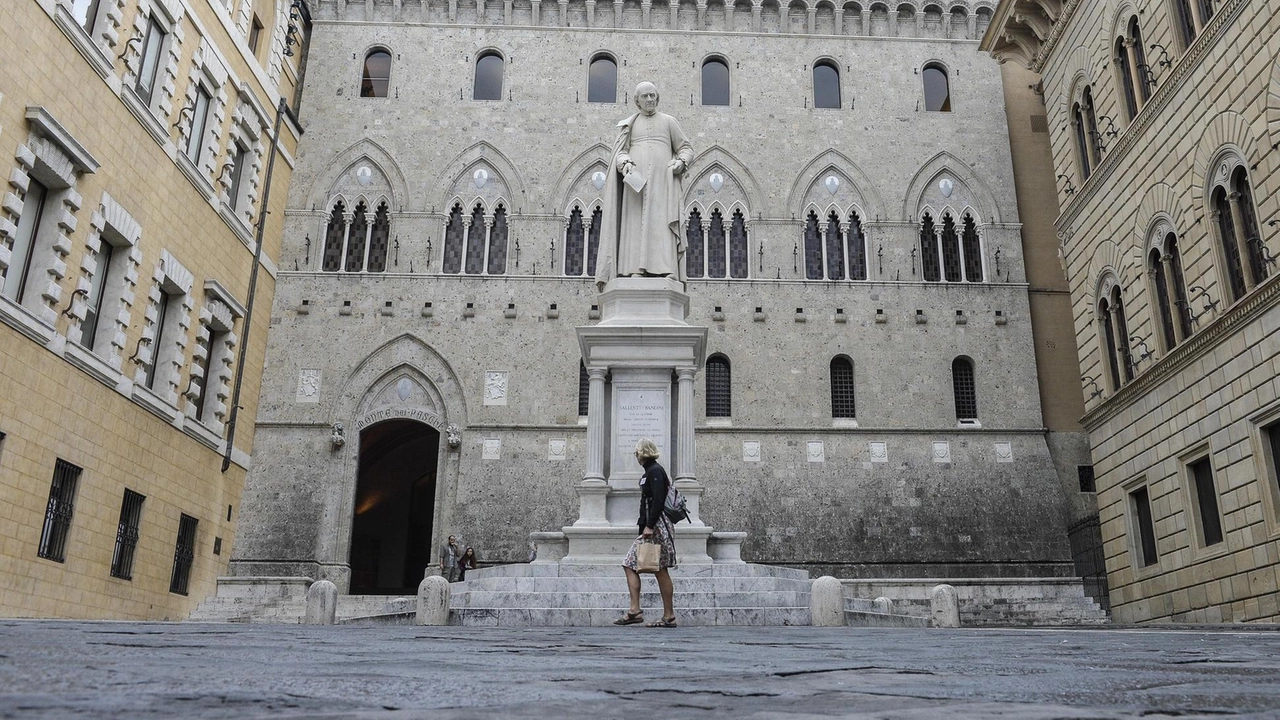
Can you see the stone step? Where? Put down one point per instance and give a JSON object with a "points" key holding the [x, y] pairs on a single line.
{"points": [[867, 618], [600, 617], [362, 605], [618, 582], [551, 569], [620, 599]]}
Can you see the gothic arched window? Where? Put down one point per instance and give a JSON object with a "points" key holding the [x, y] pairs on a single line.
{"points": [[717, 260], [475, 242], [950, 250], [719, 387], [488, 82], [937, 88], [356, 239], [379, 240], [929, 267], [331, 260], [574, 243], [715, 82], [693, 254], [497, 264], [972, 250], [835, 248], [826, 85], [454, 234], [377, 73], [842, 401], [593, 240], [739, 264], [857, 249], [1124, 68], [602, 80], [812, 248], [965, 389]]}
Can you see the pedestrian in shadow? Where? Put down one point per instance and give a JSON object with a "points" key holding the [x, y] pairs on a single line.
{"points": [[654, 527], [466, 562]]}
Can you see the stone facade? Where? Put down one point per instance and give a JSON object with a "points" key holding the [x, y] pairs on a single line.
{"points": [[126, 248], [1180, 189], [902, 487]]}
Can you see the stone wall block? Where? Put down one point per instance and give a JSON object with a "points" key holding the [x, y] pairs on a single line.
{"points": [[826, 602], [433, 601], [944, 607], [322, 603]]}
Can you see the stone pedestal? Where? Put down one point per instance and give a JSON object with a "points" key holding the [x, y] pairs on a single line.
{"points": [[641, 361]]}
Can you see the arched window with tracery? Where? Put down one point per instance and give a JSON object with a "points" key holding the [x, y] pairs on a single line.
{"points": [[1142, 71], [695, 252], [1161, 299], [857, 249], [717, 252], [965, 390], [950, 241], [497, 260], [1081, 141], [937, 88], [454, 235], [574, 243], [826, 84], [334, 236], [834, 247], [929, 266], [1164, 267], [812, 248], [356, 238], [1243, 252], [972, 244], [1191, 18], [1248, 229], [379, 240], [1124, 71], [1114, 328], [488, 80], [474, 253], [842, 397], [377, 74], [719, 387], [739, 264], [593, 240], [602, 80], [715, 82]]}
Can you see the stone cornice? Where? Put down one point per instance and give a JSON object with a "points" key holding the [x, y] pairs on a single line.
{"points": [[1005, 14], [1180, 358], [1136, 132]]}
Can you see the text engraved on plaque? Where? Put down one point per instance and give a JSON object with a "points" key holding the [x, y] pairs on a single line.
{"points": [[641, 414]]}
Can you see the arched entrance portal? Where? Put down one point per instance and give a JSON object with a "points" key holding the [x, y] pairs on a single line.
{"points": [[395, 501]]}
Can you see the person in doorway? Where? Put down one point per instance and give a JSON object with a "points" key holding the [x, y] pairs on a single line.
{"points": [[466, 562], [654, 527], [449, 554]]}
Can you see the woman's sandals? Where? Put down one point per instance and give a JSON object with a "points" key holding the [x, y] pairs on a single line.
{"points": [[630, 618], [663, 623]]}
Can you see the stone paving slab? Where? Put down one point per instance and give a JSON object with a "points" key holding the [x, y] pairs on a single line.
{"points": [[65, 669]]}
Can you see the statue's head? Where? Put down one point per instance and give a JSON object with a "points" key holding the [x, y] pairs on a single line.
{"points": [[647, 97]]}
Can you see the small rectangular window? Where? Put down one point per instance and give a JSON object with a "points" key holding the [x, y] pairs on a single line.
{"points": [[22, 252], [1270, 434], [57, 516], [199, 121], [157, 343], [127, 535], [1087, 481], [94, 300], [1205, 501], [1145, 543], [149, 62], [183, 555], [255, 35], [238, 167]]}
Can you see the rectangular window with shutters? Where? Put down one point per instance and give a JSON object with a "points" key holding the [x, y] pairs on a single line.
{"points": [[1204, 501], [127, 535], [183, 555], [1143, 527], [57, 516]]}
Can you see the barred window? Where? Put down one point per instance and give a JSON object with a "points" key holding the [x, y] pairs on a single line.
{"points": [[183, 555], [929, 251], [719, 387], [972, 250], [857, 249], [716, 251], [453, 236], [835, 248], [355, 239], [738, 264], [498, 243], [965, 390], [574, 240], [842, 405], [379, 240], [127, 535], [696, 243], [584, 390], [57, 515], [333, 237], [812, 248], [593, 240], [950, 250], [475, 242]]}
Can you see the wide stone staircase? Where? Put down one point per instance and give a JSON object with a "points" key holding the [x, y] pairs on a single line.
{"points": [[989, 602]]}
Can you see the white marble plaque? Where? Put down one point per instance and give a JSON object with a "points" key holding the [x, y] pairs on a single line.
{"points": [[308, 386], [942, 452], [879, 451], [492, 449], [750, 451], [641, 414], [495, 387], [815, 452], [556, 448], [1004, 452]]}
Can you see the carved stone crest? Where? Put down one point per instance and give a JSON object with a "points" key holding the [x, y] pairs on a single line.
{"points": [[308, 386], [495, 387]]}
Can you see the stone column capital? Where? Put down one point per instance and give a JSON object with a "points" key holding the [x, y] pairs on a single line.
{"points": [[597, 373], [686, 374]]}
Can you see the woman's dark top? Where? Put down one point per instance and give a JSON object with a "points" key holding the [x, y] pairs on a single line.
{"points": [[653, 494]]}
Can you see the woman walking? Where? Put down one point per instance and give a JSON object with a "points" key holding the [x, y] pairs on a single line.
{"points": [[654, 527]]}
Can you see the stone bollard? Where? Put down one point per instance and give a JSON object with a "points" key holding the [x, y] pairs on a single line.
{"points": [[944, 607], [322, 603], [826, 603], [433, 601], [883, 605]]}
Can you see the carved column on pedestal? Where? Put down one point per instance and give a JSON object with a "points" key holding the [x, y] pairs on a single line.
{"points": [[595, 427]]}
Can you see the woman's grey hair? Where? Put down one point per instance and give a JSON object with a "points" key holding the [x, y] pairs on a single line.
{"points": [[646, 450]]}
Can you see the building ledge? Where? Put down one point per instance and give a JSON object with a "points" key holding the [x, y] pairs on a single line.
{"points": [[92, 365], [79, 37], [19, 318]]}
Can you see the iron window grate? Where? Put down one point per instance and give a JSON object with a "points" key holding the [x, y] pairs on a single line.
{"points": [[950, 250], [127, 535], [379, 240], [965, 391], [842, 401], [57, 516], [498, 243], [355, 239], [453, 232], [719, 388], [584, 390], [183, 555], [695, 243], [574, 239], [331, 261]]}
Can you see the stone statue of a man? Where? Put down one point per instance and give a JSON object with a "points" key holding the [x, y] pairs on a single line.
{"points": [[643, 196]]}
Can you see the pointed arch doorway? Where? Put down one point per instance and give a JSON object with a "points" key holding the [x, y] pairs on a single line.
{"points": [[394, 506]]}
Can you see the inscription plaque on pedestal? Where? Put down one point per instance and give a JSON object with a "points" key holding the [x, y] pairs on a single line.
{"points": [[639, 414]]}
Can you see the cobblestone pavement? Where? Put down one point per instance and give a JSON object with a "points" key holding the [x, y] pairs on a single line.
{"points": [[60, 669]]}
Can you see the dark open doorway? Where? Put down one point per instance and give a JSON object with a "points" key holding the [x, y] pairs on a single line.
{"points": [[395, 502]]}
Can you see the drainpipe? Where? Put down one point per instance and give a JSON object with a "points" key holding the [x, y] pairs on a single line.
{"points": [[281, 109]]}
